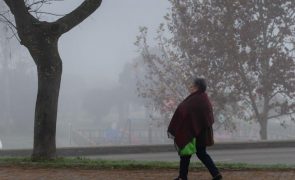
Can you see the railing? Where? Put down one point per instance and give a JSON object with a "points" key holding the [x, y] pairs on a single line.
{"points": [[96, 137], [157, 135]]}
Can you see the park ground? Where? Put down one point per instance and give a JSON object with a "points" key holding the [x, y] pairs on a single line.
{"points": [[22, 173]]}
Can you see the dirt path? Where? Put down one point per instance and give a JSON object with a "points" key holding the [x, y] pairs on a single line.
{"points": [[18, 173]]}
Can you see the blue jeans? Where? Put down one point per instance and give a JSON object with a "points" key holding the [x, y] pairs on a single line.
{"points": [[205, 159]]}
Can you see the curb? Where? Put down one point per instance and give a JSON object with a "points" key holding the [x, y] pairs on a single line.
{"points": [[137, 149]]}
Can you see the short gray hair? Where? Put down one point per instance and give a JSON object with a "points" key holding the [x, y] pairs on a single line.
{"points": [[201, 84]]}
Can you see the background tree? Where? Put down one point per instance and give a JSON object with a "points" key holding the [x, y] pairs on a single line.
{"points": [[245, 49], [121, 97], [41, 39]]}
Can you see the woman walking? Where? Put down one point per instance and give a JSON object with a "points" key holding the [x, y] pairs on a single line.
{"points": [[191, 129]]}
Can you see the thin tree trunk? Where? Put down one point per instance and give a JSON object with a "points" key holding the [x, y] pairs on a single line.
{"points": [[49, 68], [263, 129]]}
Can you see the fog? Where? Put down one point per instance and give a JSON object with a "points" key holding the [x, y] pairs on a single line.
{"points": [[99, 103], [94, 56]]}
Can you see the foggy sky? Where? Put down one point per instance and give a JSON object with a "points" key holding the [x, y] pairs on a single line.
{"points": [[99, 47]]}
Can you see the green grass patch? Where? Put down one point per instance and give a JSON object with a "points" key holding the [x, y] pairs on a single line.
{"points": [[245, 166], [85, 163]]}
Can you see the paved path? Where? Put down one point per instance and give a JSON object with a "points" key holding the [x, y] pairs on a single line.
{"points": [[251, 156]]}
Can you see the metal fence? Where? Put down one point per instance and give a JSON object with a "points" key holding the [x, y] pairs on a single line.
{"points": [[137, 136]]}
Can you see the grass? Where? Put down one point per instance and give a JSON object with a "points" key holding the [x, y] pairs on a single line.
{"points": [[85, 163]]}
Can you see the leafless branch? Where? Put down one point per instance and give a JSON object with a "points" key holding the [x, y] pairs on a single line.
{"points": [[10, 25], [39, 2], [13, 31], [6, 20], [276, 93], [280, 115], [48, 13], [35, 7]]}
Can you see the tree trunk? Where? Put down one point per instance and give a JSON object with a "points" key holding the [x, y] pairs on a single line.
{"points": [[49, 68], [40, 37], [263, 128]]}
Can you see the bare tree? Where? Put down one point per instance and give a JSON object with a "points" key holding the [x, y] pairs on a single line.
{"points": [[245, 49], [41, 39]]}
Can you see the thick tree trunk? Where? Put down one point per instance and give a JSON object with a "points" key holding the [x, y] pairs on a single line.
{"points": [[263, 129], [49, 68]]}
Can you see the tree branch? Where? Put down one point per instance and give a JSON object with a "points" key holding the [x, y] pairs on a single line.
{"points": [[10, 25], [280, 115], [20, 11], [243, 76], [6, 20], [17, 7], [74, 18], [48, 13], [278, 92], [14, 34], [40, 2]]}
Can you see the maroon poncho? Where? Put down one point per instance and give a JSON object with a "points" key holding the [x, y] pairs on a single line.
{"points": [[193, 118]]}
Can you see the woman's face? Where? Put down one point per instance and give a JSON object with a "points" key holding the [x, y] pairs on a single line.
{"points": [[193, 88]]}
